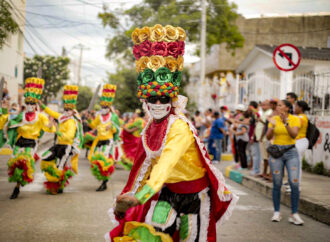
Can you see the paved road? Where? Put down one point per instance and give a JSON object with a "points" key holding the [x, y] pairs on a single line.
{"points": [[80, 214]]}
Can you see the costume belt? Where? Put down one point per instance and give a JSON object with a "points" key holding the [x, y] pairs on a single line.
{"points": [[186, 187]]}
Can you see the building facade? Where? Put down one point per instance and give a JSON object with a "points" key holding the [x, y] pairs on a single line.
{"points": [[12, 53]]}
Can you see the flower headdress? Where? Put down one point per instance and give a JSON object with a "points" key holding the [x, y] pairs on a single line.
{"points": [[33, 89], [108, 94], [70, 96], [159, 59]]}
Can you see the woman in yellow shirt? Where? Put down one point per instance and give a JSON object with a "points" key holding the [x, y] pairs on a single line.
{"points": [[301, 141], [283, 128]]}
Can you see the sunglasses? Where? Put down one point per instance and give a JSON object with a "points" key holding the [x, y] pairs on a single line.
{"points": [[30, 103], [161, 99]]}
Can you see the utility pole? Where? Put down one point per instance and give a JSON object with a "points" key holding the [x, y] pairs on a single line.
{"points": [[203, 50], [82, 48]]}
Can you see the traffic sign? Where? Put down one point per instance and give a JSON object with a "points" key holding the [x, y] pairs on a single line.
{"points": [[286, 57]]}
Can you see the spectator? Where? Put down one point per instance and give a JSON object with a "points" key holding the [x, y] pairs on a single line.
{"points": [[301, 140], [291, 97], [198, 121], [260, 133], [253, 146], [237, 116], [284, 129], [208, 118], [216, 137], [241, 132], [13, 112]]}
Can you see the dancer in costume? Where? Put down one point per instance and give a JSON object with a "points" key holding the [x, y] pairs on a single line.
{"points": [[107, 125], [3, 121], [23, 134], [60, 162], [130, 136], [173, 191]]}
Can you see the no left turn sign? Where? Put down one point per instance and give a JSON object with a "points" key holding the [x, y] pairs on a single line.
{"points": [[286, 57]]}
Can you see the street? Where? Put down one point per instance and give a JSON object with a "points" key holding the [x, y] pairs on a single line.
{"points": [[80, 213]]}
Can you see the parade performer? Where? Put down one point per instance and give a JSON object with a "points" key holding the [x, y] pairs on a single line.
{"points": [[23, 134], [3, 121], [173, 192], [107, 125], [60, 162], [130, 136]]}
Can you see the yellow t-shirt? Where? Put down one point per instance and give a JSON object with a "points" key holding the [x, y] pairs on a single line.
{"points": [[303, 129], [281, 135]]}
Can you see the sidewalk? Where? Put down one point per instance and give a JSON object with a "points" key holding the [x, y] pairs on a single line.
{"points": [[314, 196]]}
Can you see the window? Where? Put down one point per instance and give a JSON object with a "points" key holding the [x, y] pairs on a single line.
{"points": [[20, 41]]}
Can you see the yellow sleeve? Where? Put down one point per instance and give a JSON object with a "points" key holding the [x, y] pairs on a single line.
{"points": [[69, 132], [52, 113], [294, 121], [44, 124], [177, 143], [95, 122]]}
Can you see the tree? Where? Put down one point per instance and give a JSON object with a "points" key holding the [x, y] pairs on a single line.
{"points": [[126, 94], [54, 70], [7, 23], [221, 28], [84, 97]]}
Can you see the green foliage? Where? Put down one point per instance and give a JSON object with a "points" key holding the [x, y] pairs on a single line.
{"points": [[7, 23], [54, 70], [84, 97], [319, 168], [306, 166], [221, 28], [126, 95]]}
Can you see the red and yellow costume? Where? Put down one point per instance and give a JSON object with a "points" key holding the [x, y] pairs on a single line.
{"points": [[130, 141], [101, 151], [23, 134], [60, 162], [181, 194]]}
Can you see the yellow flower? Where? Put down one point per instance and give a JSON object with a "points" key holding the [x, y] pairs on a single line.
{"points": [[143, 63], [144, 34], [182, 34], [171, 63], [156, 62], [157, 33], [172, 34], [135, 36], [180, 63]]}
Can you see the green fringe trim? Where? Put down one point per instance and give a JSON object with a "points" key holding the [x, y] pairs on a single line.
{"points": [[143, 234]]}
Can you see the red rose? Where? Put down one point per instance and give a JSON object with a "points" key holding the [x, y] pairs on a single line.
{"points": [[180, 47], [145, 48], [159, 48], [172, 49], [136, 52]]}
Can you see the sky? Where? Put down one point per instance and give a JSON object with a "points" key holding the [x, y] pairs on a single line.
{"points": [[53, 24]]}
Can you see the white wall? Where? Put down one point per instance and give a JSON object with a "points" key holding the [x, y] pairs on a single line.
{"points": [[12, 55]]}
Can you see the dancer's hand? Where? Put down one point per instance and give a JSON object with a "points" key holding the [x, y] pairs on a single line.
{"points": [[123, 203]]}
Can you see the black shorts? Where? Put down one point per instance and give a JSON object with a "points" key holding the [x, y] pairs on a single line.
{"points": [[57, 151], [26, 143]]}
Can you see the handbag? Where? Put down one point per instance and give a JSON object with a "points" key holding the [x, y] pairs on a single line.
{"points": [[275, 152]]}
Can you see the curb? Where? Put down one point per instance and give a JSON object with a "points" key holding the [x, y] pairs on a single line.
{"points": [[307, 206]]}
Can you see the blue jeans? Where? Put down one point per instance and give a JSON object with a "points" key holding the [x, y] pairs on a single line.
{"points": [[256, 156], [290, 159], [215, 151]]}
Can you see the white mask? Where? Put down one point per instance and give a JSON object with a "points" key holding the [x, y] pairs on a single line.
{"points": [[68, 113], [30, 108], [104, 111], [159, 111]]}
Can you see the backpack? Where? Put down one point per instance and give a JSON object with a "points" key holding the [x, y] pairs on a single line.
{"points": [[312, 134]]}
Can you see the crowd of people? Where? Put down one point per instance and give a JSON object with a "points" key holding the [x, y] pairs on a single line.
{"points": [[248, 132]]}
